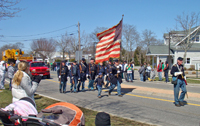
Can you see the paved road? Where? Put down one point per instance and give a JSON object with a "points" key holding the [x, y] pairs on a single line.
{"points": [[138, 102]]}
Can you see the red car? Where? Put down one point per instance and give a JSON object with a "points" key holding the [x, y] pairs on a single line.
{"points": [[39, 68]]}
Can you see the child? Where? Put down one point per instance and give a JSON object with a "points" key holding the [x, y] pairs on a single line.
{"points": [[99, 81], [152, 75]]}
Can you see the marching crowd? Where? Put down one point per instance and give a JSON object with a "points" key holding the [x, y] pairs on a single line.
{"points": [[79, 73]]}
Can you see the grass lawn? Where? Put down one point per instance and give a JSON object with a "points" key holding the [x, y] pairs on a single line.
{"points": [[43, 102], [189, 80]]}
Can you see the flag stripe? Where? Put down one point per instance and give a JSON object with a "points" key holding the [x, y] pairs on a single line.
{"points": [[102, 34], [105, 42], [106, 53], [108, 46]]}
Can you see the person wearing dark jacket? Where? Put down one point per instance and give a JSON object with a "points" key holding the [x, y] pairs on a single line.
{"points": [[75, 76], [63, 73], [92, 71], [108, 70], [116, 78], [166, 70], [83, 67], [178, 75], [99, 82]]}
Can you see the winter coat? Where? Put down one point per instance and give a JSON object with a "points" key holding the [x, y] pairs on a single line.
{"points": [[11, 71], [2, 70], [27, 88]]}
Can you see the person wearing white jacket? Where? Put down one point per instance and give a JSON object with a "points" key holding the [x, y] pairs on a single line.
{"points": [[2, 74], [22, 85]]}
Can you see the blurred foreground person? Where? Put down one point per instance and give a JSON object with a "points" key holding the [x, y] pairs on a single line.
{"points": [[22, 85]]}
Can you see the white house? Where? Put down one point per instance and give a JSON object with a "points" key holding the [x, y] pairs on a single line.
{"points": [[177, 39]]}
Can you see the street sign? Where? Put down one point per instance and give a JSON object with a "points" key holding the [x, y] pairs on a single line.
{"points": [[78, 55]]}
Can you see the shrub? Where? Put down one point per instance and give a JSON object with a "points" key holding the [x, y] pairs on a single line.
{"points": [[192, 67], [185, 68], [186, 72], [193, 72]]}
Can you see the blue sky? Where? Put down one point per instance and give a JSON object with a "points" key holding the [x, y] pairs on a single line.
{"points": [[42, 16]]}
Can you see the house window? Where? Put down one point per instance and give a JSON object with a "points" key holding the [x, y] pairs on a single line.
{"points": [[197, 38], [187, 60]]}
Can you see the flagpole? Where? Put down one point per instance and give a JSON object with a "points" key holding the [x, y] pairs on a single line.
{"points": [[121, 40]]}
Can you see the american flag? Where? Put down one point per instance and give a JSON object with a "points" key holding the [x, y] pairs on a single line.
{"points": [[109, 43]]}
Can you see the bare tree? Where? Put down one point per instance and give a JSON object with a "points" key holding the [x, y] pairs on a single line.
{"points": [[8, 9], [64, 44], [130, 39], [148, 38], [187, 24], [45, 48]]}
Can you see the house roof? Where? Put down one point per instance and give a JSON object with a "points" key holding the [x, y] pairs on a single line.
{"points": [[195, 46], [159, 50]]}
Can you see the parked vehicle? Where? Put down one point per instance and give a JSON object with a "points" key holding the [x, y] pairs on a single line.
{"points": [[39, 68]]}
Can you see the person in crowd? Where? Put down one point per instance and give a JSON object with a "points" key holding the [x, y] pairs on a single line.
{"points": [[122, 66], [163, 66], [92, 72], [108, 71], [133, 66], [125, 70], [129, 72], [83, 67], [141, 72], [23, 85], [166, 71], [2, 74], [101, 69], [99, 82], [144, 74], [63, 73], [116, 78], [159, 70], [11, 71], [75, 76], [148, 71], [102, 119], [178, 75], [54, 66], [152, 75]]}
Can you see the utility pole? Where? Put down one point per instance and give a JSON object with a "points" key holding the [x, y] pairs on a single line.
{"points": [[79, 42], [169, 51]]}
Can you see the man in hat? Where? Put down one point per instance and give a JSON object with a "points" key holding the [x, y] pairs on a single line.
{"points": [[108, 71], [63, 73], [99, 82], [178, 74], [116, 78], [92, 72], [75, 75], [83, 67]]}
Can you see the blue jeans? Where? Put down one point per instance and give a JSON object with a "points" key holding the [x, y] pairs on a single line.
{"points": [[75, 84], [112, 87], [180, 84], [2, 77], [166, 77], [99, 90], [10, 85], [83, 85], [63, 85], [160, 76], [133, 75], [130, 76], [91, 82], [141, 77]]}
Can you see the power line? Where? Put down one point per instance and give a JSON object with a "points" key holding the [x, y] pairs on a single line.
{"points": [[43, 33], [24, 40]]}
